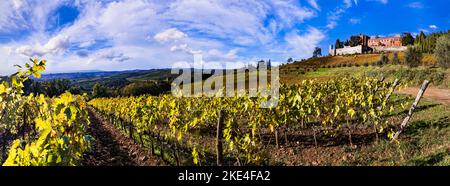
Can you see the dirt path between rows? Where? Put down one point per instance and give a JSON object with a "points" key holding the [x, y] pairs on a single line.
{"points": [[436, 94], [113, 148]]}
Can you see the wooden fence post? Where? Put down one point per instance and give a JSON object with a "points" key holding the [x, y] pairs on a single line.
{"points": [[277, 144], [130, 129], [152, 146], [219, 135], [161, 138], [411, 110], [3, 146], [175, 154]]}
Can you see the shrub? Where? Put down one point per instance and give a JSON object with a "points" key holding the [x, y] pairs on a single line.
{"points": [[442, 51], [383, 59], [377, 63], [366, 64], [413, 57], [395, 60]]}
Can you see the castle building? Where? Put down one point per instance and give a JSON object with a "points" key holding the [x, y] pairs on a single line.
{"points": [[359, 49], [387, 42], [366, 45], [364, 40]]}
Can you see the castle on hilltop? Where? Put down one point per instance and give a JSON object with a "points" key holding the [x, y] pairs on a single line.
{"points": [[364, 44]]}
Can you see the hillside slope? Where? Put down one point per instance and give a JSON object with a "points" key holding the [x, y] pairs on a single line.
{"points": [[428, 59]]}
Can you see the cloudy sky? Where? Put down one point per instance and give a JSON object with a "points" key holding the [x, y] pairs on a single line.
{"points": [[78, 35]]}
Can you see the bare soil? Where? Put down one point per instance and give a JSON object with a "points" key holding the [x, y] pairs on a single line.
{"points": [[436, 94], [113, 148]]}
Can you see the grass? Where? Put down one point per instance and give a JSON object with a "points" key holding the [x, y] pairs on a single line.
{"points": [[428, 59], [426, 141], [415, 76]]}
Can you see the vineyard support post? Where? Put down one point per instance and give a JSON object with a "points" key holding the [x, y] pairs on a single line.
{"points": [[219, 136], [286, 129], [314, 136], [411, 110], [162, 146], [175, 154], [3, 146], [152, 146], [276, 138], [142, 141], [130, 131]]}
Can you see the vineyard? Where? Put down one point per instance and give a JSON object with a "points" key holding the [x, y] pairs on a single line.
{"points": [[237, 131], [201, 130], [43, 131]]}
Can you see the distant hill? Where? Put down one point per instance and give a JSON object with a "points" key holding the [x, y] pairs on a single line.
{"points": [[120, 79], [111, 79], [75, 75]]}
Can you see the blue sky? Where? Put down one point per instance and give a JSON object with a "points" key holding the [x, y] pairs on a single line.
{"points": [[76, 35]]}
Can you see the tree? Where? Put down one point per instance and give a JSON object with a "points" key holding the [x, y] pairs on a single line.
{"points": [[290, 60], [99, 91], [442, 51], [317, 52], [139, 88], [49, 88], [347, 43], [413, 57], [395, 59], [420, 38], [355, 41], [75, 90], [407, 39], [338, 44]]}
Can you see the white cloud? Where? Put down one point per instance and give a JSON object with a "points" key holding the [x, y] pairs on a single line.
{"points": [[354, 21], [29, 51], [85, 44], [55, 45], [111, 55], [303, 45], [17, 4], [380, 1], [215, 54], [314, 4], [240, 22], [416, 5], [169, 34], [334, 17], [124, 34], [433, 26], [19, 15], [348, 3], [185, 48]]}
